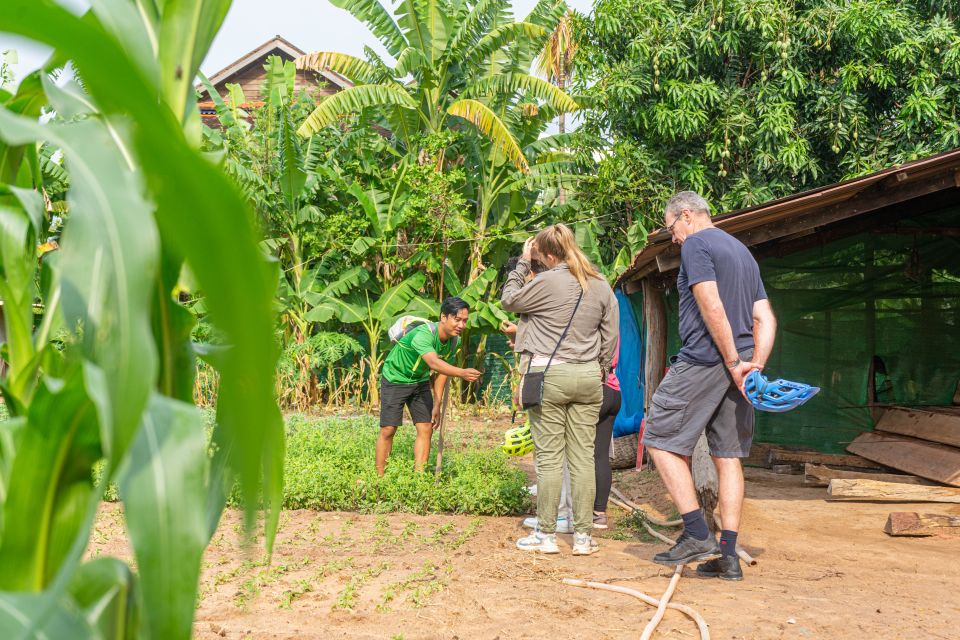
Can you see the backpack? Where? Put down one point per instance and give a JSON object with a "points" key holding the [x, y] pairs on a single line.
{"points": [[406, 324]]}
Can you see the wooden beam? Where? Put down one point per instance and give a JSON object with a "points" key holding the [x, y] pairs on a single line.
{"points": [[904, 523], [818, 475], [630, 287], [920, 423], [668, 261], [870, 199], [655, 319], [919, 457], [781, 456], [890, 492]]}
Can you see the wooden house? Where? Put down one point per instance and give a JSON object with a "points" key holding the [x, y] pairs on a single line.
{"points": [[248, 72]]}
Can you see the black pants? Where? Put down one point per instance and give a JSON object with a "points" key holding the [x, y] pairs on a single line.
{"points": [[601, 446]]}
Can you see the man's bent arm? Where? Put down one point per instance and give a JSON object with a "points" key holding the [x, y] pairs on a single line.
{"points": [[715, 317], [764, 331], [439, 365]]}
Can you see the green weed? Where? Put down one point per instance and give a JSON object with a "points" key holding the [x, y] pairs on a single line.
{"points": [[329, 467], [286, 599]]}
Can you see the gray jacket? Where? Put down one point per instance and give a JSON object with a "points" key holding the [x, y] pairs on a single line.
{"points": [[546, 303]]}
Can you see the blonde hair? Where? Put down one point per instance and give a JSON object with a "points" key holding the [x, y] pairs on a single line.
{"points": [[558, 241]]}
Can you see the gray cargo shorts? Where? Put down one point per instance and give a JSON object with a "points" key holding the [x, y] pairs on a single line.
{"points": [[693, 398]]}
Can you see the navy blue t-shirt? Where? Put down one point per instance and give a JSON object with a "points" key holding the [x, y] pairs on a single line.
{"points": [[715, 255]]}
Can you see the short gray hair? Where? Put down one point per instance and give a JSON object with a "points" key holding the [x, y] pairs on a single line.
{"points": [[690, 200]]}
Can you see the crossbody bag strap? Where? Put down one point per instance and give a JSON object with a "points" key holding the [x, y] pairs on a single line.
{"points": [[564, 334]]}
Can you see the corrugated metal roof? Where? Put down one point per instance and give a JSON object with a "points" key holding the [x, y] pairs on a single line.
{"points": [[806, 202]]}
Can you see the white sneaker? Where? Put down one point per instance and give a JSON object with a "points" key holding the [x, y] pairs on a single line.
{"points": [[564, 525], [584, 544], [542, 542]]}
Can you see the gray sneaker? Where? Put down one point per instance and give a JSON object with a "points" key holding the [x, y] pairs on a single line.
{"points": [[688, 549], [599, 520], [584, 544]]}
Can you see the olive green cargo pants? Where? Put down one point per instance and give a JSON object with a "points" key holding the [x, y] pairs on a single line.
{"points": [[564, 427]]}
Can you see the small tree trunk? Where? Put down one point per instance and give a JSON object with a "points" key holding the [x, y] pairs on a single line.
{"points": [[705, 481]]}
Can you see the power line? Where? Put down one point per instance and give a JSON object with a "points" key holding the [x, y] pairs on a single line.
{"points": [[521, 232]]}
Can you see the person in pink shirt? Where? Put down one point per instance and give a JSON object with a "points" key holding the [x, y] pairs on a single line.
{"points": [[601, 449]]}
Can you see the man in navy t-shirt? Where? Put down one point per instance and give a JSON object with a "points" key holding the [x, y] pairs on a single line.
{"points": [[727, 329]]}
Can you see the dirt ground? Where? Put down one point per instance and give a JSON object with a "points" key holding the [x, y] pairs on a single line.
{"points": [[825, 570]]}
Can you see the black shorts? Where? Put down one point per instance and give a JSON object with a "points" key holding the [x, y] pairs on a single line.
{"points": [[418, 398]]}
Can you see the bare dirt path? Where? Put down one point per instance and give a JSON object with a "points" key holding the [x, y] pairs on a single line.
{"points": [[826, 570]]}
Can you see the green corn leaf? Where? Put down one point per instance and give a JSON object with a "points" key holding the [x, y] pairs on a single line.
{"points": [[108, 294], [187, 28], [27, 616], [104, 591], [163, 491], [52, 479], [192, 195]]}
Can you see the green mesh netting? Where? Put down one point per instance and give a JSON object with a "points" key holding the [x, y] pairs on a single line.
{"points": [[886, 301]]}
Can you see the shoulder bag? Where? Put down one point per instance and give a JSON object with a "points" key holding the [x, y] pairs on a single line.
{"points": [[531, 386]]}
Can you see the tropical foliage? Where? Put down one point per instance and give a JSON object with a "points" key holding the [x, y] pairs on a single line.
{"points": [[105, 377], [417, 182], [748, 101]]}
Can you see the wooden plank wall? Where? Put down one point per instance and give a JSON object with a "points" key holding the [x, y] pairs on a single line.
{"points": [[251, 77]]}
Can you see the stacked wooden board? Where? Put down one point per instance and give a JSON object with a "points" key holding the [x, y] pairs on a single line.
{"points": [[923, 442]]}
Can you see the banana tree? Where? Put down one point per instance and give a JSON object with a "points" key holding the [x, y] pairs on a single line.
{"points": [[373, 315], [143, 204], [451, 58]]}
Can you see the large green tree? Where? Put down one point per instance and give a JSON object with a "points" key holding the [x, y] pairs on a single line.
{"points": [[749, 100]]}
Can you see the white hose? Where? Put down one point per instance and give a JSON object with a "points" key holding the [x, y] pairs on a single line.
{"points": [[662, 607], [682, 608]]}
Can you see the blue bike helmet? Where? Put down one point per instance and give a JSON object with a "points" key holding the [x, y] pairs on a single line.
{"points": [[776, 395]]}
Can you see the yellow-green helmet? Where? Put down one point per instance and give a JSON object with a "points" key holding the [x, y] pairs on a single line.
{"points": [[518, 441]]}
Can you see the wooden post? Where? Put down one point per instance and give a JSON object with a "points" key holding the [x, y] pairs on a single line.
{"points": [[705, 481], [443, 415], [655, 360]]}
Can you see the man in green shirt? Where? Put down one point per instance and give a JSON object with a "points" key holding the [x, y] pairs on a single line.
{"points": [[406, 380]]}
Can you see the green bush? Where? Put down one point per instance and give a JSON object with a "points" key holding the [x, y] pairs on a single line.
{"points": [[330, 466]]}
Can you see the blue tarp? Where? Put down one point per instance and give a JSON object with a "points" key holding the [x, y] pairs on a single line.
{"points": [[629, 370]]}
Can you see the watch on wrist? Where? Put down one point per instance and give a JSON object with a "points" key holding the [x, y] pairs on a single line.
{"points": [[732, 363]]}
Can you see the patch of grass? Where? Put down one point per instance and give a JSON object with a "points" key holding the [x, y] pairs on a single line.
{"points": [[329, 568], [631, 527], [419, 586], [348, 597], [465, 535], [329, 467], [288, 596], [251, 587]]}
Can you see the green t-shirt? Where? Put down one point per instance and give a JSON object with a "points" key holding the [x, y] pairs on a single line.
{"points": [[405, 363]]}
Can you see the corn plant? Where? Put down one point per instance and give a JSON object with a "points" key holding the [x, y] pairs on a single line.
{"points": [[115, 388]]}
